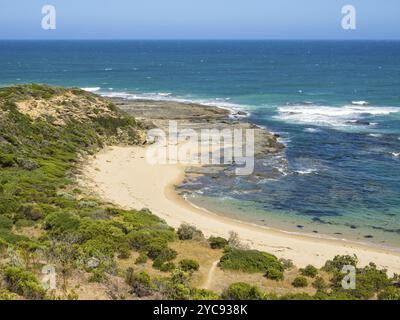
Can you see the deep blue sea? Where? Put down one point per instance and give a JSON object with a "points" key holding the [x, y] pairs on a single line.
{"points": [[336, 106]]}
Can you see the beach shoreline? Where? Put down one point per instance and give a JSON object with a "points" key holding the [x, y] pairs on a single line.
{"points": [[122, 176]]}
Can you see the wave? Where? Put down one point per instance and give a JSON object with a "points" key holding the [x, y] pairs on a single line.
{"points": [[396, 154], [236, 110], [91, 89], [312, 130], [360, 103], [345, 116], [375, 135], [305, 171]]}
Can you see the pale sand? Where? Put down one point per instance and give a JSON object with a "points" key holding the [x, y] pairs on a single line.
{"points": [[122, 176]]}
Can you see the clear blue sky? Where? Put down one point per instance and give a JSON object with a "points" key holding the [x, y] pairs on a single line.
{"points": [[200, 19]]}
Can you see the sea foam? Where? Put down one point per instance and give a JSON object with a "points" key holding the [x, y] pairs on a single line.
{"points": [[348, 115], [91, 89], [222, 103]]}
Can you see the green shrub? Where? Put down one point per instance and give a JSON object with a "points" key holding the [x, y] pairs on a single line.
{"points": [[178, 286], [389, 293], [124, 251], [31, 212], [217, 242], [319, 284], [141, 259], [300, 282], [189, 265], [338, 262], [5, 223], [161, 252], [6, 160], [143, 278], [23, 283], [141, 283], [274, 274], [242, 291], [286, 263], [97, 275], [203, 294], [309, 271], [296, 297], [61, 222], [188, 232], [7, 295], [249, 261], [167, 267], [369, 282]]}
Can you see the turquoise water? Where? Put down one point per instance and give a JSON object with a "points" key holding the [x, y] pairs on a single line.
{"points": [[341, 177]]}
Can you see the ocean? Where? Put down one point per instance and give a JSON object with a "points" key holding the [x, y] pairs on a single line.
{"points": [[335, 105]]}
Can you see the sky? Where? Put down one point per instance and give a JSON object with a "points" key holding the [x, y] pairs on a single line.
{"points": [[200, 19]]}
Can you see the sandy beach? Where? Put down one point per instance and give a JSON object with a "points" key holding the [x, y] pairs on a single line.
{"points": [[123, 176]]}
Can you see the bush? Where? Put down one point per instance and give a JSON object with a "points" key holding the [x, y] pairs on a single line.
{"points": [[167, 267], [6, 160], [155, 249], [141, 283], [142, 259], [287, 263], [161, 252], [319, 284], [338, 262], [242, 291], [5, 223], [23, 283], [178, 285], [300, 282], [309, 271], [31, 212], [390, 293], [189, 265], [369, 281], [274, 274], [188, 232], [217, 242], [97, 275], [203, 294], [249, 261], [7, 295]]}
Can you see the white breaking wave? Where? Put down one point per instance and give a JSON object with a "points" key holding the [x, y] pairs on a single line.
{"points": [[91, 89], [360, 103], [396, 154], [305, 171], [348, 115], [375, 135], [311, 130], [167, 96]]}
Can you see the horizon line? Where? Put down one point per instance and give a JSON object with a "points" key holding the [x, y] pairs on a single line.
{"points": [[196, 39]]}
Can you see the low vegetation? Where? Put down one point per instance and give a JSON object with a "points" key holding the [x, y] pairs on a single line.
{"points": [[309, 271], [252, 261], [46, 220], [300, 282]]}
